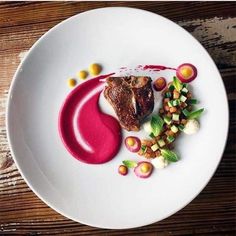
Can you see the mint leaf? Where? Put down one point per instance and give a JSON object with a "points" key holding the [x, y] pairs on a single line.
{"points": [[169, 155], [177, 84], [152, 135], [156, 124], [130, 164], [195, 114]]}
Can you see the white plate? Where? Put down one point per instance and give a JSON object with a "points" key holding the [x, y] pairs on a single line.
{"points": [[95, 194]]}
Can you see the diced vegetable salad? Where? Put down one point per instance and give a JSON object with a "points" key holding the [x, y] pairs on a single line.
{"points": [[177, 109], [177, 115]]}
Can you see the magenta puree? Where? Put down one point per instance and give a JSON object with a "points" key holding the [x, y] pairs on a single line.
{"points": [[157, 67], [101, 132]]}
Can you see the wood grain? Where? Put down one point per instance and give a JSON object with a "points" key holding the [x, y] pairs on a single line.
{"points": [[213, 212]]}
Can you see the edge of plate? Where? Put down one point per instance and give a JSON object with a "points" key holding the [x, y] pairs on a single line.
{"points": [[9, 100]]}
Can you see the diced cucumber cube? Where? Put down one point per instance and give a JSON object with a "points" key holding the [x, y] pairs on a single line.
{"points": [[167, 120], [144, 148], [175, 117], [168, 95], [181, 127], [170, 104], [170, 139], [182, 98], [154, 147], [176, 102], [185, 85], [174, 129], [185, 112], [184, 90], [161, 143]]}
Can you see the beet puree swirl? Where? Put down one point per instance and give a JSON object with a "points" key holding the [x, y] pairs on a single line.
{"points": [[90, 135]]}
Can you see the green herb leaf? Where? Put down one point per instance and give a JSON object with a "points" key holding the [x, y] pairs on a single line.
{"points": [[169, 155], [195, 114], [192, 101], [171, 87], [177, 84], [152, 135], [130, 164], [156, 124]]}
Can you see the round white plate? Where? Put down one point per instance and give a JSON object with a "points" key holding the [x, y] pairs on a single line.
{"points": [[96, 194]]}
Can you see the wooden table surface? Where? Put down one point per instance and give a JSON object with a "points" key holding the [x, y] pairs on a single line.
{"points": [[213, 212]]}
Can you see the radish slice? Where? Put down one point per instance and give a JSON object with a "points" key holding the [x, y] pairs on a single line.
{"points": [[133, 144], [186, 72], [159, 84], [143, 169]]}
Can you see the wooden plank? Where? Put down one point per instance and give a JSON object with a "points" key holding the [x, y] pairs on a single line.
{"points": [[212, 212]]}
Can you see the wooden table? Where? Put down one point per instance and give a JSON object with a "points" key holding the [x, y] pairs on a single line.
{"points": [[212, 212]]}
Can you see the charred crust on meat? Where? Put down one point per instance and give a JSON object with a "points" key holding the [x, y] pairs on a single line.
{"points": [[132, 99]]}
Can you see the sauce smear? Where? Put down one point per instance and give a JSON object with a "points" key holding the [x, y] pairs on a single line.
{"points": [[157, 67], [90, 135]]}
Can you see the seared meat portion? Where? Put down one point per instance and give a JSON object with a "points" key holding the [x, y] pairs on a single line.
{"points": [[131, 98]]}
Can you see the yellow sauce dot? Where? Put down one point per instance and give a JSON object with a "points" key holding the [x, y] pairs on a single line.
{"points": [[186, 72], [71, 82], [82, 74], [145, 168], [160, 82], [95, 69], [123, 169], [130, 141]]}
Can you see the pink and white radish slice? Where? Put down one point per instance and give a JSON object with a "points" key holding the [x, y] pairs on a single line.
{"points": [[133, 144], [159, 84], [186, 72], [143, 169]]}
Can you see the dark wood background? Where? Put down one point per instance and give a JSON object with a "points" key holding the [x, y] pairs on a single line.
{"points": [[213, 212]]}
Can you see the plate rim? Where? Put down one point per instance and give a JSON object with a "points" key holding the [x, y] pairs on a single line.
{"points": [[12, 86]]}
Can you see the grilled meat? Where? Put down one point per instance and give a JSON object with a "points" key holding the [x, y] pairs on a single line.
{"points": [[131, 98]]}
